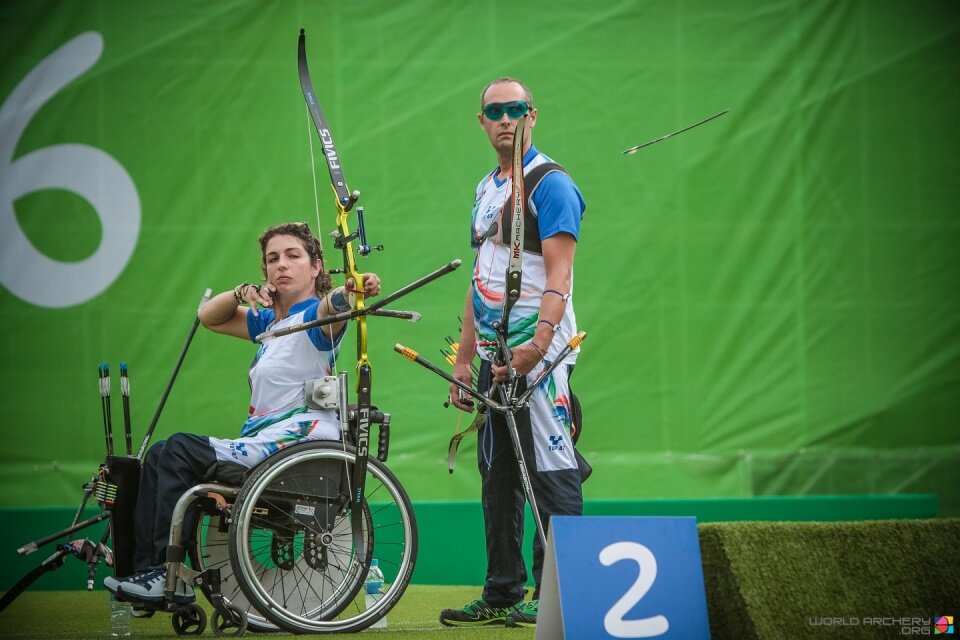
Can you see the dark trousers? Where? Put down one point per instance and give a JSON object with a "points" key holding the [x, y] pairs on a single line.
{"points": [[503, 498], [170, 468]]}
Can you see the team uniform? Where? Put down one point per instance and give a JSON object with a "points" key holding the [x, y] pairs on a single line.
{"points": [[278, 417], [544, 427]]}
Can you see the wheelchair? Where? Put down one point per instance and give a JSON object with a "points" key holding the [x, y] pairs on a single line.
{"points": [[279, 552]]}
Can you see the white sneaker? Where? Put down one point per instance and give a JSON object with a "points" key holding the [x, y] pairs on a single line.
{"points": [[150, 586], [112, 583]]}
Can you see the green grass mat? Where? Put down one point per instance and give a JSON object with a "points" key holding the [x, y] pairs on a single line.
{"points": [[786, 579], [81, 615], [764, 581]]}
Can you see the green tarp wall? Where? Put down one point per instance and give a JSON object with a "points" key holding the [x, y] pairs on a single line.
{"points": [[771, 299]]}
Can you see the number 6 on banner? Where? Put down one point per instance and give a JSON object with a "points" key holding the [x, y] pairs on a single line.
{"points": [[86, 171], [613, 622]]}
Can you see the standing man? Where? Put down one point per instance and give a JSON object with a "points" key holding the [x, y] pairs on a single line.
{"points": [[541, 322]]}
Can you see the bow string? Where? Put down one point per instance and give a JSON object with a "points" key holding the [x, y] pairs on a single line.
{"points": [[343, 240]]}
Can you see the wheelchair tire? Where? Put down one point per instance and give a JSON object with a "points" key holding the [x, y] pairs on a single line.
{"points": [[231, 625], [291, 543], [189, 621]]}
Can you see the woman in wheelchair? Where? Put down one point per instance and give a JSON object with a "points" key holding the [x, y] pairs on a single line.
{"points": [[296, 289]]}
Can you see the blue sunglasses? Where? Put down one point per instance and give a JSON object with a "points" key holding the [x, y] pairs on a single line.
{"points": [[514, 110]]}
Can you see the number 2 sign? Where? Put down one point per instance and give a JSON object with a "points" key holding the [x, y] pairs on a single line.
{"points": [[622, 577]]}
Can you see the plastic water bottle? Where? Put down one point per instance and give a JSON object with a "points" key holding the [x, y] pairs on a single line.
{"points": [[119, 618], [373, 588]]}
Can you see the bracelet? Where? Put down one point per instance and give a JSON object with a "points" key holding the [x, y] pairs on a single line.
{"points": [[563, 296], [238, 292], [552, 326], [543, 354], [338, 302]]}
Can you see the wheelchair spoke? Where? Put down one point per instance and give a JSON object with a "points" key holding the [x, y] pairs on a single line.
{"points": [[292, 543], [211, 551]]}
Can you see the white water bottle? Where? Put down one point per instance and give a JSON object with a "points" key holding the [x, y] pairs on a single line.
{"points": [[119, 618], [373, 591]]}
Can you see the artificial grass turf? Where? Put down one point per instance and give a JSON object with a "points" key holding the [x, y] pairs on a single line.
{"points": [[764, 580], [782, 579], [76, 615]]}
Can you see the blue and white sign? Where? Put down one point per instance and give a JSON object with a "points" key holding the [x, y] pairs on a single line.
{"points": [[622, 577]]}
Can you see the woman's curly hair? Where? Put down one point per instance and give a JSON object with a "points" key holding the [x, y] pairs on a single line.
{"points": [[300, 231]]}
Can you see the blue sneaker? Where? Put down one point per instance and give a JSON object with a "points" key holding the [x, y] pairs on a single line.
{"points": [[112, 583], [149, 587]]}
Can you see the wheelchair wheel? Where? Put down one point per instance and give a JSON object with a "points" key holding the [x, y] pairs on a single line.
{"points": [[212, 550], [292, 545], [189, 621], [231, 625]]}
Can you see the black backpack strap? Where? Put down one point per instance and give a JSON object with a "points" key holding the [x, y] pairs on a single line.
{"points": [[531, 230], [576, 418]]}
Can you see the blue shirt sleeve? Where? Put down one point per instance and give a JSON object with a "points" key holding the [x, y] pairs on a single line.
{"points": [[320, 336], [559, 205], [257, 324]]}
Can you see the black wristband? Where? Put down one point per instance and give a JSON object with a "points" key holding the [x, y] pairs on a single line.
{"points": [[549, 324], [238, 292], [563, 296]]}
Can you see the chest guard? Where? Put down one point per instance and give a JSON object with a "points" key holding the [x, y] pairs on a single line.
{"points": [[531, 230]]}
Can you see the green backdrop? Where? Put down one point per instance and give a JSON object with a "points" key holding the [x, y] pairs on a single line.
{"points": [[771, 299]]}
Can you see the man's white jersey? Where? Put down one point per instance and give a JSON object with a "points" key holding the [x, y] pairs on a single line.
{"points": [[558, 207]]}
